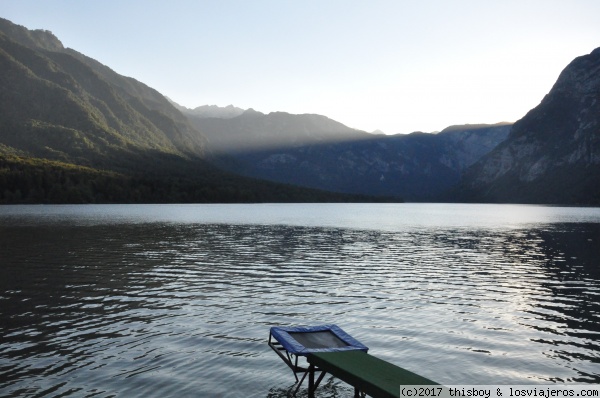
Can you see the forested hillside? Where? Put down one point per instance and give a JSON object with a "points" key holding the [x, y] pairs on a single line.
{"points": [[32, 180]]}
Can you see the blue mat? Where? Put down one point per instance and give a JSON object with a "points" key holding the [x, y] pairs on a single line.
{"points": [[304, 340]]}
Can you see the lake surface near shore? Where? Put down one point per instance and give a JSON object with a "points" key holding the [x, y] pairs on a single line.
{"points": [[177, 300]]}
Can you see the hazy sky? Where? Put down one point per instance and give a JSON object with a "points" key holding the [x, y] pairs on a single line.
{"points": [[398, 65]]}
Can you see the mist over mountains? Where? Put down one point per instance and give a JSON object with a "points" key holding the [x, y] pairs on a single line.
{"points": [[73, 130]]}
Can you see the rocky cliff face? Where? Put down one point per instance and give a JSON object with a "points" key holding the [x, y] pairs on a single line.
{"points": [[552, 155]]}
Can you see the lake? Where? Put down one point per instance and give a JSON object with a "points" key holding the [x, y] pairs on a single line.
{"points": [[177, 300]]}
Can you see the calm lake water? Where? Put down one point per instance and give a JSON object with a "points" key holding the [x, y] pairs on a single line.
{"points": [[177, 300]]}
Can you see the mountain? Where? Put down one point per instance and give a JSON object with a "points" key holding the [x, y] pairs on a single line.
{"points": [[73, 130], [552, 154], [314, 151], [253, 130], [211, 111], [58, 104]]}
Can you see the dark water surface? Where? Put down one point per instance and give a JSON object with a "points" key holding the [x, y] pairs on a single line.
{"points": [[177, 301]]}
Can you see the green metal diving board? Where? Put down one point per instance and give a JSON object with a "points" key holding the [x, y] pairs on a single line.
{"points": [[366, 373]]}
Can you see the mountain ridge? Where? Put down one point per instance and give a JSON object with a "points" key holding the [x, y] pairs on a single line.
{"points": [[552, 154], [255, 130], [210, 111]]}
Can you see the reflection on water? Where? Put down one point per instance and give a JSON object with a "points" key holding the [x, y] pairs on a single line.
{"points": [[183, 309]]}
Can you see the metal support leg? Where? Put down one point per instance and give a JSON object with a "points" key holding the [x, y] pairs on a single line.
{"points": [[311, 381], [299, 383]]}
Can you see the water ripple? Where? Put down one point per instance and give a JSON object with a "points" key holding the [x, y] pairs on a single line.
{"points": [[184, 309]]}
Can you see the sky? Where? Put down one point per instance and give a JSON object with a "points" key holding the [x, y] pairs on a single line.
{"points": [[392, 65]]}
